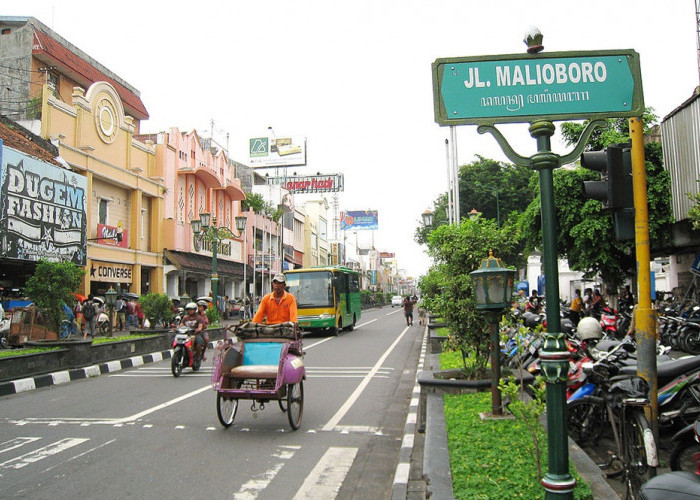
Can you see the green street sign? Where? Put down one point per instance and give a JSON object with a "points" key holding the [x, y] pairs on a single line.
{"points": [[546, 86]]}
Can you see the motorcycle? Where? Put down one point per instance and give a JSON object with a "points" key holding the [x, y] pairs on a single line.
{"points": [[684, 481], [4, 331], [685, 454], [102, 326], [184, 354]]}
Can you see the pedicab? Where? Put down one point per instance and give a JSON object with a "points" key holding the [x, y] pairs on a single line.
{"points": [[261, 363]]}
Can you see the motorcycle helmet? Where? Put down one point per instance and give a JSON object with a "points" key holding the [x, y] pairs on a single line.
{"points": [[202, 303], [190, 305], [589, 328]]}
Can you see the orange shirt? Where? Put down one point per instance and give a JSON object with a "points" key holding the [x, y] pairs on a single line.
{"points": [[286, 310]]}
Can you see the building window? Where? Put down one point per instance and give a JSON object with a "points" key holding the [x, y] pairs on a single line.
{"points": [[144, 214], [102, 211]]}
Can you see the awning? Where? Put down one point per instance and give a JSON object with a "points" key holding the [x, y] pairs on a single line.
{"points": [[202, 264]]}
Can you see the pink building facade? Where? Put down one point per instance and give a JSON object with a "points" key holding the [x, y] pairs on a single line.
{"points": [[198, 178]]}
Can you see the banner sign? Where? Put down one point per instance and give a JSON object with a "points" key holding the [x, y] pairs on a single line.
{"points": [[110, 272], [107, 235], [331, 183], [365, 219], [387, 255], [545, 86], [265, 152], [42, 210]]}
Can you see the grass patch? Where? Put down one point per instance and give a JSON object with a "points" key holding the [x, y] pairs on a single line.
{"points": [[488, 458], [443, 331], [105, 340], [6, 353]]}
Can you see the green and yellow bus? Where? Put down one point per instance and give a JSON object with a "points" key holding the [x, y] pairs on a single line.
{"points": [[328, 298]]}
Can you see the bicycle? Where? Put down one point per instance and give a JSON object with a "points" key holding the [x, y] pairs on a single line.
{"points": [[617, 403]]}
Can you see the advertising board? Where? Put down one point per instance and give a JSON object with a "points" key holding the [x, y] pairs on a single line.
{"points": [[265, 152], [42, 210], [360, 219]]}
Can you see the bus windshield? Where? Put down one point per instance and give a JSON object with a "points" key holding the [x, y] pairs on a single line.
{"points": [[311, 289]]}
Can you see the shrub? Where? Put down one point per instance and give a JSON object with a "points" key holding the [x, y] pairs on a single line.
{"points": [[157, 308]]}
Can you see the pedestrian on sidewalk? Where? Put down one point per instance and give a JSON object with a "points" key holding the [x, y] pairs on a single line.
{"points": [[408, 310]]}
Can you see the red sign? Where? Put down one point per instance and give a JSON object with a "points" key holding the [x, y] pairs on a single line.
{"points": [[107, 235], [314, 183]]}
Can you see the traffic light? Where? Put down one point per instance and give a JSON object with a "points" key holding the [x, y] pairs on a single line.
{"points": [[615, 188]]}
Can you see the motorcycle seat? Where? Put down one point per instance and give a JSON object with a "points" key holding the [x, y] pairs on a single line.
{"points": [[668, 370], [676, 485]]}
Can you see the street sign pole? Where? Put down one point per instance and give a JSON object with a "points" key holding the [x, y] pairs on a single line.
{"points": [[540, 89]]}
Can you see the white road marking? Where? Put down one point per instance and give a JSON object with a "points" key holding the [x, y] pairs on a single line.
{"points": [[330, 425], [41, 453], [84, 453], [17, 442], [325, 480], [252, 488]]}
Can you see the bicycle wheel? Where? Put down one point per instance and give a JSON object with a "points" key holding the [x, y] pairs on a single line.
{"points": [[295, 404], [586, 419], [226, 409], [686, 456], [639, 448]]}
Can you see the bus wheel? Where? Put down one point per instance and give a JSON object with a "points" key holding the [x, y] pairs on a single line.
{"points": [[339, 327], [351, 326]]}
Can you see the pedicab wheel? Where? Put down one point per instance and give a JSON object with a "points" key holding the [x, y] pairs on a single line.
{"points": [[226, 409], [176, 363], [283, 404], [295, 404]]}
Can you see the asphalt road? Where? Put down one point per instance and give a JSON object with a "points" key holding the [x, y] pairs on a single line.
{"points": [[141, 433]]}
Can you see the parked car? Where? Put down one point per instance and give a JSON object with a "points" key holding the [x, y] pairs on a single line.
{"points": [[396, 300]]}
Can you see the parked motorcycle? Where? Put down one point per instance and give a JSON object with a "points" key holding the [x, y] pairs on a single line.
{"points": [[684, 481], [685, 454], [184, 354], [4, 331], [102, 325]]}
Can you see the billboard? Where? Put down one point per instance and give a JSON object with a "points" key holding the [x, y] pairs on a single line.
{"points": [[42, 210], [330, 183], [364, 219], [265, 152]]}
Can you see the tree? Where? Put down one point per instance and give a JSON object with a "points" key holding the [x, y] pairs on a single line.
{"points": [[446, 289], [585, 232], [53, 285], [157, 308], [254, 201], [481, 181]]}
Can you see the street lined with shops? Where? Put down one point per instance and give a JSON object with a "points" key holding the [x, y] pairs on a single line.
{"points": [[142, 423]]}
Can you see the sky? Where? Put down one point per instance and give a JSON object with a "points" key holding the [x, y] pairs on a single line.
{"points": [[355, 78]]}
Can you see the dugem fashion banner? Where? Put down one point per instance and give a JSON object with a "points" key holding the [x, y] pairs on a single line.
{"points": [[42, 210]]}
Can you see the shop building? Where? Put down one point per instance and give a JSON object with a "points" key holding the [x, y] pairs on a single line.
{"points": [[198, 178], [92, 116]]}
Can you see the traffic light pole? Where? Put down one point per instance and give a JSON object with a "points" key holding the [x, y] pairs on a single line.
{"points": [[645, 316]]}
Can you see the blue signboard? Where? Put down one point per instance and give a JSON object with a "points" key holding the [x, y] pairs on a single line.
{"points": [[522, 87], [365, 219]]}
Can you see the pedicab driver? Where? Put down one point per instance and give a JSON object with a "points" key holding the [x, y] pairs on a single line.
{"points": [[279, 306]]}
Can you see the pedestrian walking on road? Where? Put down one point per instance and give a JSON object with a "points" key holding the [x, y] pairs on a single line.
{"points": [[408, 310]]}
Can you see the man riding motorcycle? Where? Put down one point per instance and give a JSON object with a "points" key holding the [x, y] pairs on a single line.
{"points": [[194, 321]]}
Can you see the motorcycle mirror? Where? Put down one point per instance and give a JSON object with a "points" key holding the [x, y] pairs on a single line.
{"points": [[628, 346]]}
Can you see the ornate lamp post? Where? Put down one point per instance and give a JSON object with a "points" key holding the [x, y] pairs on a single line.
{"points": [[110, 300], [493, 291], [205, 229]]}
